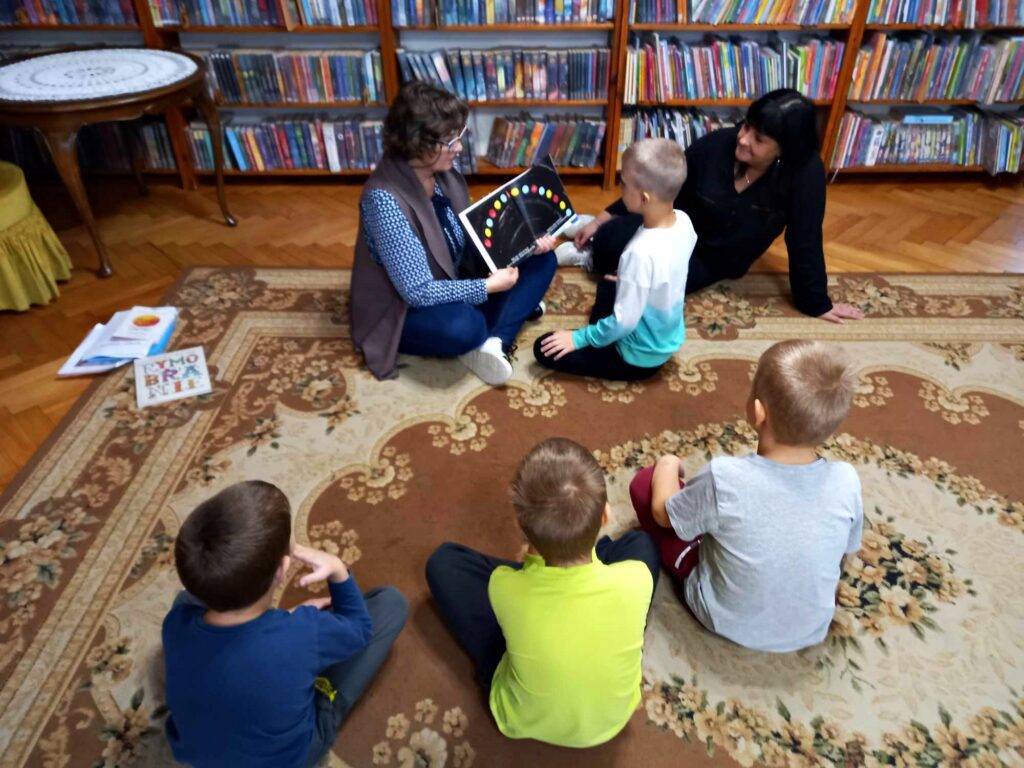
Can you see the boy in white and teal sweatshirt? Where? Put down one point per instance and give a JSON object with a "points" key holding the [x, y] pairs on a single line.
{"points": [[636, 324]]}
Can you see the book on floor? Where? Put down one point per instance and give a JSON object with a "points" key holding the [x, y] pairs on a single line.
{"points": [[505, 224], [171, 376], [128, 335]]}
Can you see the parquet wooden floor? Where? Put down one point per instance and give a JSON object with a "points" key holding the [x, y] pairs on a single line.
{"points": [[877, 225]]}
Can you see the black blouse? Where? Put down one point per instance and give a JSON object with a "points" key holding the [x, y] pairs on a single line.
{"points": [[735, 228]]}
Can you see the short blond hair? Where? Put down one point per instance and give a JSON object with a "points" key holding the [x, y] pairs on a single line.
{"points": [[559, 496], [657, 166], [806, 387]]}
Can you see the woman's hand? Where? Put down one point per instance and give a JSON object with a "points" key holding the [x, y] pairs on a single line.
{"points": [[841, 312], [545, 244], [502, 280], [558, 344]]}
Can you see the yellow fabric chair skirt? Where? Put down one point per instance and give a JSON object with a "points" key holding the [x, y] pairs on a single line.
{"points": [[32, 259]]}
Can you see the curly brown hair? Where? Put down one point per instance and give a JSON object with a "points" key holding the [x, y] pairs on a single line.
{"points": [[420, 117]]}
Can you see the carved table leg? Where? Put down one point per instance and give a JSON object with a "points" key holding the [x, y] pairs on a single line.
{"points": [[205, 105], [62, 149]]}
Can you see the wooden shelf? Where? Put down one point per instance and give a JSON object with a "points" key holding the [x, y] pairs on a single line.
{"points": [[930, 102], [486, 168], [200, 28], [303, 105], [536, 27], [287, 172], [74, 27], [934, 28], [911, 168], [538, 103], [687, 27], [710, 103]]}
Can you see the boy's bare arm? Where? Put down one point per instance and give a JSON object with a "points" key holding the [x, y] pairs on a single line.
{"points": [[668, 471]]}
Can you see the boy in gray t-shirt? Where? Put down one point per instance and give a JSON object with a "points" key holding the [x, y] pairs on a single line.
{"points": [[755, 543]]}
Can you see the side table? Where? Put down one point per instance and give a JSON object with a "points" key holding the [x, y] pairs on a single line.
{"points": [[59, 93]]}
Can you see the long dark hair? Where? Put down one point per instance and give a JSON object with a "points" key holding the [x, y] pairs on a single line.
{"points": [[788, 117]]}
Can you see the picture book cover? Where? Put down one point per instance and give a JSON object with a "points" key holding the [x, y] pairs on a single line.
{"points": [[505, 224], [171, 376]]}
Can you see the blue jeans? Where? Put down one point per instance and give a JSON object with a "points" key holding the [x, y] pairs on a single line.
{"points": [[458, 577], [448, 330]]}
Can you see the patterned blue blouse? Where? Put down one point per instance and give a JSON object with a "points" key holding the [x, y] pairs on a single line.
{"points": [[396, 247]]}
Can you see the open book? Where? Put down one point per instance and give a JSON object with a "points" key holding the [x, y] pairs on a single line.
{"points": [[505, 224], [128, 335]]}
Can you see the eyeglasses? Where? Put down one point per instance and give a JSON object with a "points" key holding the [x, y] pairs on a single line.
{"points": [[450, 145]]}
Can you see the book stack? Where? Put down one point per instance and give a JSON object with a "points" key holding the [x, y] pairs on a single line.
{"points": [[1003, 144], [662, 70], [233, 13], [909, 137], [412, 13], [292, 144], [466, 161], [921, 67], [245, 76], [523, 140], [803, 12], [576, 74], [485, 12], [129, 335], [165, 13], [655, 12], [59, 12], [683, 126], [927, 13], [338, 13]]}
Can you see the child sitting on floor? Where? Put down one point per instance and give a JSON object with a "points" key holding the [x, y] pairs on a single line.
{"points": [[636, 323], [556, 640], [754, 544], [248, 684]]}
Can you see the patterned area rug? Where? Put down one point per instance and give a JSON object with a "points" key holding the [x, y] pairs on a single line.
{"points": [[925, 661]]}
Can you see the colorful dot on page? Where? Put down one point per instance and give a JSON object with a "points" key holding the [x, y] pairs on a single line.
{"points": [[489, 222], [548, 194], [487, 243], [504, 198], [555, 198], [568, 212], [540, 190], [526, 189], [533, 187], [491, 213], [497, 205], [487, 232], [514, 192], [562, 205]]}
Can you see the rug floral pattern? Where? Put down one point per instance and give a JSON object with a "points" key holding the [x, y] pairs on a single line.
{"points": [[923, 663]]}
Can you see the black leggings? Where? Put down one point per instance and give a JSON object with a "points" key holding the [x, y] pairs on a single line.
{"points": [[599, 362], [611, 239]]}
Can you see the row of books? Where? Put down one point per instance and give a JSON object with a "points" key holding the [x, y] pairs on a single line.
{"points": [[1004, 143], [947, 13], [683, 126], [576, 74], [214, 13], [57, 12], [803, 12], [337, 13], [951, 138], [412, 13], [248, 76], [478, 12], [662, 70], [522, 140], [302, 144], [103, 146], [918, 67]]}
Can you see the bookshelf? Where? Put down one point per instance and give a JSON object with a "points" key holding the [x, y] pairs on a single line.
{"points": [[616, 26]]}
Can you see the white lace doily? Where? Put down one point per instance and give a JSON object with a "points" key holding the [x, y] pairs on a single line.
{"points": [[92, 74]]}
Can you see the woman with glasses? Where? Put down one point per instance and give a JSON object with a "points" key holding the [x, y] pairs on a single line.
{"points": [[416, 282], [744, 187]]}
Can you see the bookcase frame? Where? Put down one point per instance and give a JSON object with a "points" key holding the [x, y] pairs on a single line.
{"points": [[167, 37]]}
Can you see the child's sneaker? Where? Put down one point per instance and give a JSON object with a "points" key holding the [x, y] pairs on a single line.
{"points": [[582, 220], [538, 312], [568, 255], [488, 361]]}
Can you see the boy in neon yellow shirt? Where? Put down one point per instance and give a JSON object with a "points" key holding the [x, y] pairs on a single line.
{"points": [[557, 640]]}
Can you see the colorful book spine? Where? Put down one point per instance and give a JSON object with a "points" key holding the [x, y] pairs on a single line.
{"points": [[522, 140], [64, 12], [460, 12], [683, 126], [231, 13], [802, 12]]}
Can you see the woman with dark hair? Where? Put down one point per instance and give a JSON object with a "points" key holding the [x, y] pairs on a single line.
{"points": [[744, 187], [415, 289]]}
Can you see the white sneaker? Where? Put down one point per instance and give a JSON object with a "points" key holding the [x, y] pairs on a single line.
{"points": [[488, 361], [568, 255], [582, 220]]}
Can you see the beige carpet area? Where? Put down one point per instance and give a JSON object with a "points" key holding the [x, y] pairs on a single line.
{"points": [[925, 661]]}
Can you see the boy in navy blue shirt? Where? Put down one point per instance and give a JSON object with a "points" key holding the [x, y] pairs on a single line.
{"points": [[250, 685]]}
